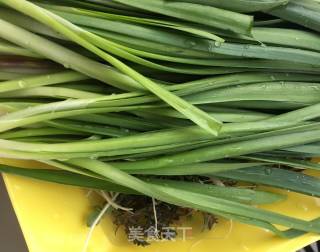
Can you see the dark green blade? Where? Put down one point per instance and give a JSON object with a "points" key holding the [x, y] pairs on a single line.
{"points": [[289, 180]]}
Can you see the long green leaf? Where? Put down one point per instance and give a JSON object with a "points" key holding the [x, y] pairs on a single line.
{"points": [[224, 150], [240, 5], [68, 178], [135, 20], [196, 169], [65, 56], [280, 178], [302, 12], [197, 13], [298, 164], [42, 80]]}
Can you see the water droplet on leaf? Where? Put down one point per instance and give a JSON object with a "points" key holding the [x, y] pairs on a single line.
{"points": [[21, 84], [268, 171], [190, 43], [217, 44]]}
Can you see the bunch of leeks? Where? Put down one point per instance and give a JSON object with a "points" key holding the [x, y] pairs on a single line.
{"points": [[116, 93]]}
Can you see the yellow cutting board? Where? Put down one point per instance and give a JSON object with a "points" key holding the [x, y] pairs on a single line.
{"points": [[52, 218]]}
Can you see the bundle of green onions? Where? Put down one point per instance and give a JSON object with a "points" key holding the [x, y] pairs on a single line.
{"points": [[126, 95]]}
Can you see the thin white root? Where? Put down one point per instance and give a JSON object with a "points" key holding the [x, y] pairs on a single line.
{"points": [[88, 194], [113, 204], [96, 221], [229, 230], [155, 217]]}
